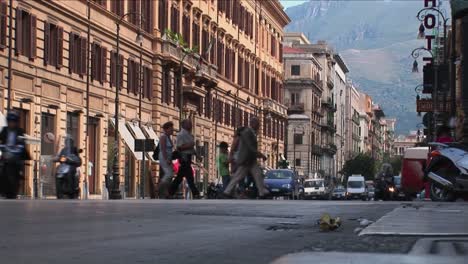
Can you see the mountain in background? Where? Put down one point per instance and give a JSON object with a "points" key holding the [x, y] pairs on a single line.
{"points": [[375, 38]]}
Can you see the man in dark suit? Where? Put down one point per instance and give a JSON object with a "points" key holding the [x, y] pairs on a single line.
{"points": [[14, 155]]}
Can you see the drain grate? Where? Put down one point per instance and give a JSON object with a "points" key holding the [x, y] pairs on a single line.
{"points": [[283, 227], [441, 246]]}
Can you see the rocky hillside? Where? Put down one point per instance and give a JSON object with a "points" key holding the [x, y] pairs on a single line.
{"points": [[376, 39]]}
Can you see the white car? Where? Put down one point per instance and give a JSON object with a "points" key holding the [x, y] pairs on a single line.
{"points": [[315, 188], [356, 188]]}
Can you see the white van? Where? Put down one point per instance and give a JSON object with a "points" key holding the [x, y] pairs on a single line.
{"points": [[356, 188], [315, 188]]}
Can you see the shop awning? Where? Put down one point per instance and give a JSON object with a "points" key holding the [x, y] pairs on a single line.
{"points": [[128, 138], [136, 130], [152, 135]]}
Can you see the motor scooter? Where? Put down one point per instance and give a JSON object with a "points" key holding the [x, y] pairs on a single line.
{"points": [[66, 177], [447, 171]]}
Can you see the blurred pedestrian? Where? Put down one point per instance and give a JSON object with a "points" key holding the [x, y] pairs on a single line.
{"points": [[223, 164], [443, 135], [186, 148], [165, 159], [14, 156], [246, 144]]}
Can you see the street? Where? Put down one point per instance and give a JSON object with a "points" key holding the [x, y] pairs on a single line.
{"points": [[177, 231]]}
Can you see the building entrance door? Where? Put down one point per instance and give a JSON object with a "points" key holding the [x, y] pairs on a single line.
{"points": [[93, 142], [48, 150]]}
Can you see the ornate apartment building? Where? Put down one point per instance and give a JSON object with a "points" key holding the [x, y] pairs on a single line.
{"points": [[65, 69]]}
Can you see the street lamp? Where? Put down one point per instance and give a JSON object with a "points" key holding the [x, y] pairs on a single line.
{"points": [[415, 54], [115, 187]]}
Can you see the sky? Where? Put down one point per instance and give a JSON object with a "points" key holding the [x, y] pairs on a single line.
{"points": [[289, 3]]}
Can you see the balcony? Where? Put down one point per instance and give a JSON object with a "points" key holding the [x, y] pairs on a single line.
{"points": [[201, 72], [329, 104], [295, 108], [330, 82], [330, 149], [317, 150], [328, 126]]}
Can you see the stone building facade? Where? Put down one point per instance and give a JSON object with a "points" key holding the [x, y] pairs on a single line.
{"points": [[64, 72]]}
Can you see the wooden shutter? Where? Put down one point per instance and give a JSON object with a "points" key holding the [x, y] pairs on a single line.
{"points": [[94, 61], [129, 75], [112, 69], [19, 32], [3, 24], [186, 29], [281, 51], [71, 50], [33, 37], [147, 10], [103, 68], [47, 40], [59, 47], [82, 60]]}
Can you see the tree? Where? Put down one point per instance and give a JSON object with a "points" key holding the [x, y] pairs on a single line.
{"points": [[362, 164]]}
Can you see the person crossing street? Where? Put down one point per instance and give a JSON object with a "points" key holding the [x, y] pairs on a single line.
{"points": [[246, 144]]}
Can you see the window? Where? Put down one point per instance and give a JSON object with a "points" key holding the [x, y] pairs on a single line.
{"points": [[100, 2], [25, 34], [73, 121], [53, 45], [134, 11], [162, 15], [147, 83], [195, 33], [208, 105], [133, 77], [98, 63], [114, 73], [205, 42], [186, 27], [227, 114], [147, 11], [117, 7], [298, 139], [175, 18], [77, 54], [295, 70], [298, 162], [166, 86], [3, 24], [295, 98], [177, 88]]}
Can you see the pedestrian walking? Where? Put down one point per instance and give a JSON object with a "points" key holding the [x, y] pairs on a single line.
{"points": [[223, 164], [165, 159], [186, 148], [246, 144]]}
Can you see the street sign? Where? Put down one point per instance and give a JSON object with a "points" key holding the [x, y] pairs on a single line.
{"points": [[145, 145], [425, 105]]}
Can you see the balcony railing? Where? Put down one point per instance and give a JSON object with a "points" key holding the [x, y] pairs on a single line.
{"points": [[317, 150], [296, 107], [171, 51]]}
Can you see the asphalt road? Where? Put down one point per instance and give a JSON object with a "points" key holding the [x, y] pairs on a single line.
{"points": [[177, 231]]}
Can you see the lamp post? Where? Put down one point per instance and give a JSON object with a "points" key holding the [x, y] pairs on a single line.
{"points": [[115, 188]]}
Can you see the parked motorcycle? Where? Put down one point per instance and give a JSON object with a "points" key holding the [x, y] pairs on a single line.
{"points": [[447, 171], [66, 176]]}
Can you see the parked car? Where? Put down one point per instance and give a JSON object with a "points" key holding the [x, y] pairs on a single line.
{"points": [[315, 189], [283, 183], [356, 188], [339, 193], [371, 192]]}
